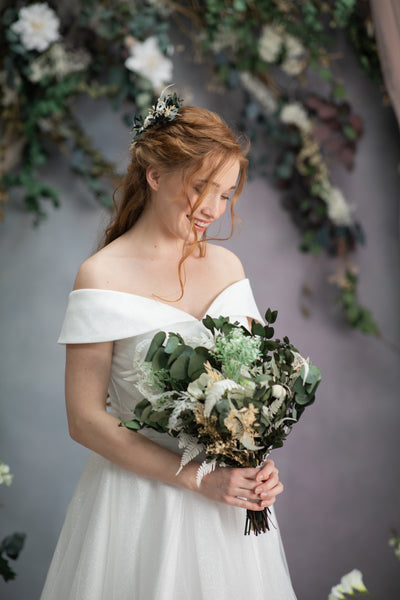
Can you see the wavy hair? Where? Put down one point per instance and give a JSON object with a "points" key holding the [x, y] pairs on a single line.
{"points": [[195, 139]]}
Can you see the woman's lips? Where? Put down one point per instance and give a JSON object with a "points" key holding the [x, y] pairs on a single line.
{"points": [[199, 224]]}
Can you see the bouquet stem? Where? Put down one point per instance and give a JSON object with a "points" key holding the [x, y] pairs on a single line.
{"points": [[257, 521]]}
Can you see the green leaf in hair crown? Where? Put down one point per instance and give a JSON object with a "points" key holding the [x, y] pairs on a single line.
{"points": [[163, 111]]}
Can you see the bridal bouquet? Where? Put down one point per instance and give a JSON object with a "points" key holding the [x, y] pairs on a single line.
{"points": [[232, 394]]}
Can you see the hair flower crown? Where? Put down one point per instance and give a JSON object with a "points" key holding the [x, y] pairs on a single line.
{"points": [[164, 111]]}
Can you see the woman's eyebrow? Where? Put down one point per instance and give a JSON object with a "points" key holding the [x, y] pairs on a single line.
{"points": [[216, 184]]}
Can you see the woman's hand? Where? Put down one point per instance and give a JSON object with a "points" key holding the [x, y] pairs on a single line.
{"points": [[250, 488]]}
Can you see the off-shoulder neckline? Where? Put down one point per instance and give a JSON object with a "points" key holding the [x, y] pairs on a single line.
{"points": [[160, 302]]}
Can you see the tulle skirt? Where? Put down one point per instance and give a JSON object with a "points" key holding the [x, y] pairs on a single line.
{"points": [[126, 537]]}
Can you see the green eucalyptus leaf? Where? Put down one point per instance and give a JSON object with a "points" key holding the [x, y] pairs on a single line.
{"points": [[156, 342], [177, 352], [133, 425], [302, 399], [140, 406], [172, 344], [159, 360], [146, 413], [179, 368], [196, 362]]}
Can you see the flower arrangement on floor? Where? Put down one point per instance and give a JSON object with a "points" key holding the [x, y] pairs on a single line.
{"points": [[10, 546], [232, 395], [53, 54]]}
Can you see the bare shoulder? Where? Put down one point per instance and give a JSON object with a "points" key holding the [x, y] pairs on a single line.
{"points": [[96, 271], [226, 263]]}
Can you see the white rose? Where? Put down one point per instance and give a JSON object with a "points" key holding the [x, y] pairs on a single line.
{"points": [[37, 26]]}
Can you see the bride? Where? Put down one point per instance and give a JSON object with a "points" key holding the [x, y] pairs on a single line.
{"points": [[135, 530]]}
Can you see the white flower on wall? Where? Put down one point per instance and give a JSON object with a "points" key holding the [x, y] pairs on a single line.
{"points": [[37, 26], [5, 475], [293, 63], [259, 91], [147, 60], [270, 43], [338, 210], [293, 113], [273, 40]]}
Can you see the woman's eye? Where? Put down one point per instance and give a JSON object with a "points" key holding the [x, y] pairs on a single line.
{"points": [[225, 197]]}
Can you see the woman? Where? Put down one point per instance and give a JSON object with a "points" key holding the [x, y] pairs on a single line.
{"points": [[135, 529]]}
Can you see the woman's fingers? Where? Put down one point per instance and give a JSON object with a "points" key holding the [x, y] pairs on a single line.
{"points": [[242, 502]]}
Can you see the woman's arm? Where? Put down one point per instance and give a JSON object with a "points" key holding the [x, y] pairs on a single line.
{"points": [[87, 376]]}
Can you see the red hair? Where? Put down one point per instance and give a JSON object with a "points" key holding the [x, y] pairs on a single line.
{"points": [[194, 139]]}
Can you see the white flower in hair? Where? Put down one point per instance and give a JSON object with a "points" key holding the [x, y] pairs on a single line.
{"points": [[147, 60], [37, 26]]}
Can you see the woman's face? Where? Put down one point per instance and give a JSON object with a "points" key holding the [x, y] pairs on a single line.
{"points": [[172, 205]]}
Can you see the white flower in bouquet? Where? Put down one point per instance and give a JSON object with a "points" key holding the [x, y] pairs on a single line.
{"points": [[5, 475], [339, 211], [147, 60], [294, 113], [278, 391], [37, 26], [270, 43], [259, 91], [293, 63]]}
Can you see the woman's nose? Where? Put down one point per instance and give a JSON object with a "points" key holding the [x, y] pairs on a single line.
{"points": [[213, 206]]}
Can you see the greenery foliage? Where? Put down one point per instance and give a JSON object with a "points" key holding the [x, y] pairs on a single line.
{"points": [[10, 548]]}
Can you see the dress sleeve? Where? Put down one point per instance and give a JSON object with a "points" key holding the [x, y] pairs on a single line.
{"points": [[237, 301], [95, 315]]}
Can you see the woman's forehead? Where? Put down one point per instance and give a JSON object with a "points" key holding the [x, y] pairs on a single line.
{"points": [[218, 173]]}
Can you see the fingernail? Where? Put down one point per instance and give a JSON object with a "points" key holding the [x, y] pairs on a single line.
{"points": [[264, 503], [258, 490], [264, 495]]}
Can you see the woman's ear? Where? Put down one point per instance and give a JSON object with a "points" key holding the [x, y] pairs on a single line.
{"points": [[153, 177]]}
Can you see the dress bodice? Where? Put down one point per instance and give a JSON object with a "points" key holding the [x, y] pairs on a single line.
{"points": [[130, 321]]}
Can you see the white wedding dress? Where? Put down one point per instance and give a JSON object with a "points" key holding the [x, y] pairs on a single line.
{"points": [[127, 537]]}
